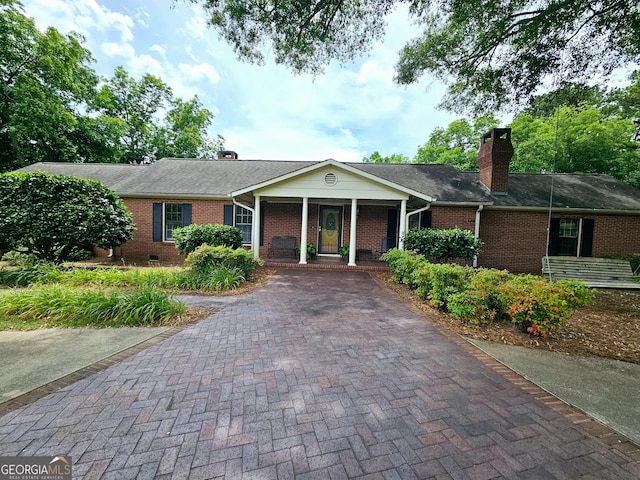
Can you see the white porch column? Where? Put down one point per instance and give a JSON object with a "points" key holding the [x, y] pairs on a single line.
{"points": [[255, 236], [303, 234], [403, 223], [352, 233]]}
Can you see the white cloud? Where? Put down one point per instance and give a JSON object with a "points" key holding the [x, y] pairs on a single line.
{"points": [[200, 71], [158, 49], [197, 24], [141, 64], [112, 49]]}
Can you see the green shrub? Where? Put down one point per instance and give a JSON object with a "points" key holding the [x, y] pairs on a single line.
{"points": [[480, 303], [447, 280], [471, 307], [188, 238], [540, 307], [206, 259], [403, 264], [443, 245], [421, 279], [58, 217]]}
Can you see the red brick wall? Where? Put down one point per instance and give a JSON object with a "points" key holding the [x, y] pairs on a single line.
{"points": [[615, 235], [141, 247], [453, 217], [283, 219], [512, 240], [517, 241]]}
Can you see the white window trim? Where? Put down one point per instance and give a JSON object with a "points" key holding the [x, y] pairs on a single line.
{"points": [[164, 220]]}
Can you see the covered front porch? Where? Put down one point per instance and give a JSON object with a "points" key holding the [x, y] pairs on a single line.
{"points": [[348, 215]]}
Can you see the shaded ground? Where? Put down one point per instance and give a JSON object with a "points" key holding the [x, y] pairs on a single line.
{"points": [[609, 327]]}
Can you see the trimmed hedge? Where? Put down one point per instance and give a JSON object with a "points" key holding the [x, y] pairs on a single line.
{"points": [[481, 296], [443, 245], [188, 238]]}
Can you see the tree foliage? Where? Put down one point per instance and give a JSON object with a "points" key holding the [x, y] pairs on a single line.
{"points": [[51, 108], [143, 121], [375, 157], [55, 217], [576, 140], [575, 129], [499, 53], [457, 145], [304, 35], [492, 53], [44, 77]]}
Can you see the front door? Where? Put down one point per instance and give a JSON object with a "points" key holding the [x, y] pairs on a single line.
{"points": [[330, 229]]}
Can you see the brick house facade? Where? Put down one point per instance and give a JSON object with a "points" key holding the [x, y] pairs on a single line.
{"points": [[519, 217]]}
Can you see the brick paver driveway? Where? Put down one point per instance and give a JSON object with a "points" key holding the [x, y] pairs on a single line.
{"points": [[319, 375]]}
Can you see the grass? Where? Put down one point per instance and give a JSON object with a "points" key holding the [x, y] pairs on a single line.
{"points": [[59, 306], [50, 296], [221, 279]]}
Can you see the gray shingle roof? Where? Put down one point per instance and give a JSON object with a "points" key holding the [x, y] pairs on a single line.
{"points": [[217, 178], [585, 191]]}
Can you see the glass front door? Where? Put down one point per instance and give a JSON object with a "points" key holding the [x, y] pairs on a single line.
{"points": [[330, 229]]}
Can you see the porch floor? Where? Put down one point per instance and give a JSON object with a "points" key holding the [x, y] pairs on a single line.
{"points": [[326, 263]]}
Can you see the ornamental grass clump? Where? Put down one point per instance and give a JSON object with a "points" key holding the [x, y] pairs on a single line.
{"points": [[59, 306]]}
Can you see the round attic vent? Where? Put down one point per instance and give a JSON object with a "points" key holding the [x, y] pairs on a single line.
{"points": [[330, 179]]}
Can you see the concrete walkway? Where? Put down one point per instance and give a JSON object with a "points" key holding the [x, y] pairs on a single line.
{"points": [[34, 358], [320, 375], [607, 390]]}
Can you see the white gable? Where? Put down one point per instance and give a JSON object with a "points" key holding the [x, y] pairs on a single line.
{"points": [[331, 181]]}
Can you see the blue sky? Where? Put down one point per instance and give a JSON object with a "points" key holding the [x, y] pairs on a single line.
{"points": [[264, 112]]}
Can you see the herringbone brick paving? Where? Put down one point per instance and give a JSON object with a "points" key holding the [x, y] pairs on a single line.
{"points": [[316, 375]]}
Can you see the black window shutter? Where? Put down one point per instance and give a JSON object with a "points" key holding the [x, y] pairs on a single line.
{"points": [[262, 226], [228, 215], [157, 222], [425, 219], [587, 237], [186, 214], [392, 228], [554, 236]]}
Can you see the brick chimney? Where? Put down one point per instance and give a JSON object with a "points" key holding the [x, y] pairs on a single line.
{"points": [[494, 156], [227, 155]]}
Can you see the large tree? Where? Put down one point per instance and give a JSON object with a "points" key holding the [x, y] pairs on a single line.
{"points": [[457, 144], [141, 121], [52, 110], [576, 140], [55, 217], [44, 77], [492, 53]]}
